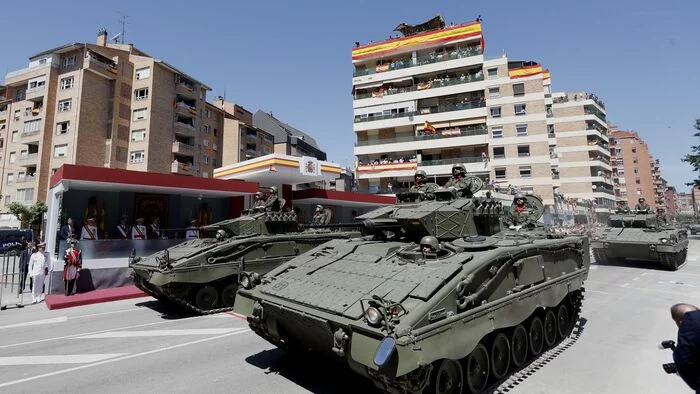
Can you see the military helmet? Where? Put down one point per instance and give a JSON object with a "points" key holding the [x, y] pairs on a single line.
{"points": [[258, 194], [641, 199], [273, 189], [430, 241], [420, 174], [519, 196], [459, 169], [319, 207], [220, 234]]}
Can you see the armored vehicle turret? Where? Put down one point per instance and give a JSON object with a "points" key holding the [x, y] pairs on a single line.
{"points": [[204, 274], [435, 298], [639, 235]]}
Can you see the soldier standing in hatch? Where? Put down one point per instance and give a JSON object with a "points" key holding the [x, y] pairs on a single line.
{"points": [[459, 181], [273, 202], [519, 212], [642, 205], [420, 186], [622, 207]]}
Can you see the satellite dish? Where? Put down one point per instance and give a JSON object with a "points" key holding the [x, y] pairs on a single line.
{"points": [[116, 37]]}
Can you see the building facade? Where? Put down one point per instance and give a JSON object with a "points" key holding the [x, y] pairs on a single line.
{"points": [[684, 203], [633, 168], [103, 105], [671, 200]]}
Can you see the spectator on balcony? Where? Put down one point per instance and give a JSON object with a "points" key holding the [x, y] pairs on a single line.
{"points": [[154, 228], [67, 231], [123, 229], [193, 231], [89, 232], [139, 230]]}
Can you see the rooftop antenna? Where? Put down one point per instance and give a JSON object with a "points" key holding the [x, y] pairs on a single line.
{"points": [[122, 21]]}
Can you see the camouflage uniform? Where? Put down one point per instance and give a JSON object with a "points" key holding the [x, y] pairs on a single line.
{"points": [[518, 217], [642, 207], [426, 189]]}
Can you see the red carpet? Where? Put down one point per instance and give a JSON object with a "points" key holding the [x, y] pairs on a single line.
{"points": [[94, 297]]}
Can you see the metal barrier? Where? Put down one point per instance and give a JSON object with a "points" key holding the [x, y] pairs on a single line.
{"points": [[11, 276]]}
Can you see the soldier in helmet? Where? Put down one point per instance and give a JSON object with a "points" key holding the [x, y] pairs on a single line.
{"points": [[642, 205], [221, 235], [459, 181], [320, 216], [622, 207], [661, 216], [258, 201], [273, 202], [429, 246], [519, 212], [421, 187]]}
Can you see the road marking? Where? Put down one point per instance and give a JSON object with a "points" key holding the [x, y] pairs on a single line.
{"points": [[635, 278], [58, 359], [597, 291], [110, 313], [625, 284], [54, 320], [112, 360], [160, 333]]}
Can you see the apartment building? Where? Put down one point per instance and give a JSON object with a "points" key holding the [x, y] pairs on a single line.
{"points": [[104, 105], [633, 168], [241, 140], [288, 140], [671, 200], [580, 144], [685, 203]]}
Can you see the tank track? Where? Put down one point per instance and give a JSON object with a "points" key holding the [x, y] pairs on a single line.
{"points": [[599, 256], [518, 376], [674, 261], [178, 301]]}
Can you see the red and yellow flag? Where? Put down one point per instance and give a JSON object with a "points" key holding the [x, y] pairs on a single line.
{"points": [[436, 36], [545, 74], [527, 71]]}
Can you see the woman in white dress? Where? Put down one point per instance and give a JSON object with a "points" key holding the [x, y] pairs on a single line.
{"points": [[38, 267]]}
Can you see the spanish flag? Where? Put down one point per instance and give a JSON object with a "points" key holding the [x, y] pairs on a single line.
{"points": [[472, 29], [428, 128], [527, 71], [545, 74]]}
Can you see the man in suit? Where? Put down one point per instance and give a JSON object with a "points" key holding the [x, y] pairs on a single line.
{"points": [[24, 267], [687, 352], [67, 231]]}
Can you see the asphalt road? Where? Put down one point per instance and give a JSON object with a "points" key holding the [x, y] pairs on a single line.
{"points": [[136, 346]]}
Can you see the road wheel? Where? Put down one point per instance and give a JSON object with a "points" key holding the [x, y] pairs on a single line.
{"points": [[228, 295], [518, 345], [550, 328], [563, 322], [537, 335], [500, 356], [206, 298], [477, 369], [447, 378]]}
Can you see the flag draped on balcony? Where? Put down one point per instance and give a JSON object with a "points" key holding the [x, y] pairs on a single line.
{"points": [[527, 71]]}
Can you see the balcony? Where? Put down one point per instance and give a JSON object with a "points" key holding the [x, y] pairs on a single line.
{"points": [[182, 148], [183, 108], [459, 53], [447, 133], [185, 129], [35, 93], [185, 89], [30, 136], [425, 111], [180, 168], [101, 65], [456, 160], [28, 159], [26, 179], [433, 84], [592, 110]]}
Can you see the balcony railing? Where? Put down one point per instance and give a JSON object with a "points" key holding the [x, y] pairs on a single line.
{"points": [[425, 137], [436, 83], [456, 160], [25, 134], [590, 110], [181, 147], [25, 179], [426, 111], [181, 168], [459, 53], [28, 157], [185, 107]]}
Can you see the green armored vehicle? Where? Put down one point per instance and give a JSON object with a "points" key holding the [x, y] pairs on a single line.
{"points": [[203, 274], [638, 235], [435, 298]]}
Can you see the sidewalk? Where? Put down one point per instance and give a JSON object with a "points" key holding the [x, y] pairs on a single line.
{"points": [[10, 299], [56, 301]]}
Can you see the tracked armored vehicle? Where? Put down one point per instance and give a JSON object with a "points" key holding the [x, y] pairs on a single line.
{"points": [[640, 236], [435, 298], [204, 274]]}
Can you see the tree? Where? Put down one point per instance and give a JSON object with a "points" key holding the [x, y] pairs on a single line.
{"points": [[28, 215], [694, 157]]}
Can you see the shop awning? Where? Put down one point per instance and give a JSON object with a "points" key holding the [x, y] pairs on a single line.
{"points": [[79, 177]]}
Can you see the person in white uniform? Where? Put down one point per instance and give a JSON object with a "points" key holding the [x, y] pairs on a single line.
{"points": [[89, 231], [38, 269], [193, 231]]}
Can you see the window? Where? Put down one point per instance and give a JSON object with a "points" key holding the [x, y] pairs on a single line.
{"points": [[202, 94], [32, 126], [499, 152], [64, 105], [208, 112], [69, 61], [25, 194], [500, 173], [214, 147], [492, 73], [518, 89], [525, 171], [140, 114], [205, 142], [494, 92], [206, 129], [634, 150], [60, 150], [13, 157], [36, 83], [523, 150], [636, 170], [206, 159], [7, 200], [66, 83], [10, 178], [550, 130], [495, 112], [215, 132], [15, 136], [138, 135], [62, 128], [519, 109], [16, 115], [521, 130], [143, 73], [141, 94], [214, 162], [137, 156], [497, 132], [638, 181]]}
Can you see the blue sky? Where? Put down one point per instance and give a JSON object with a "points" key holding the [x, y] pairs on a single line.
{"points": [[293, 57]]}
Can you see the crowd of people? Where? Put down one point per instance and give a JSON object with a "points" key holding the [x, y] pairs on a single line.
{"points": [[138, 231], [389, 160]]}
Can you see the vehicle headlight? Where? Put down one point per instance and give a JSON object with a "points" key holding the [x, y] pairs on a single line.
{"points": [[595, 238], [246, 283], [664, 240], [373, 316]]}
